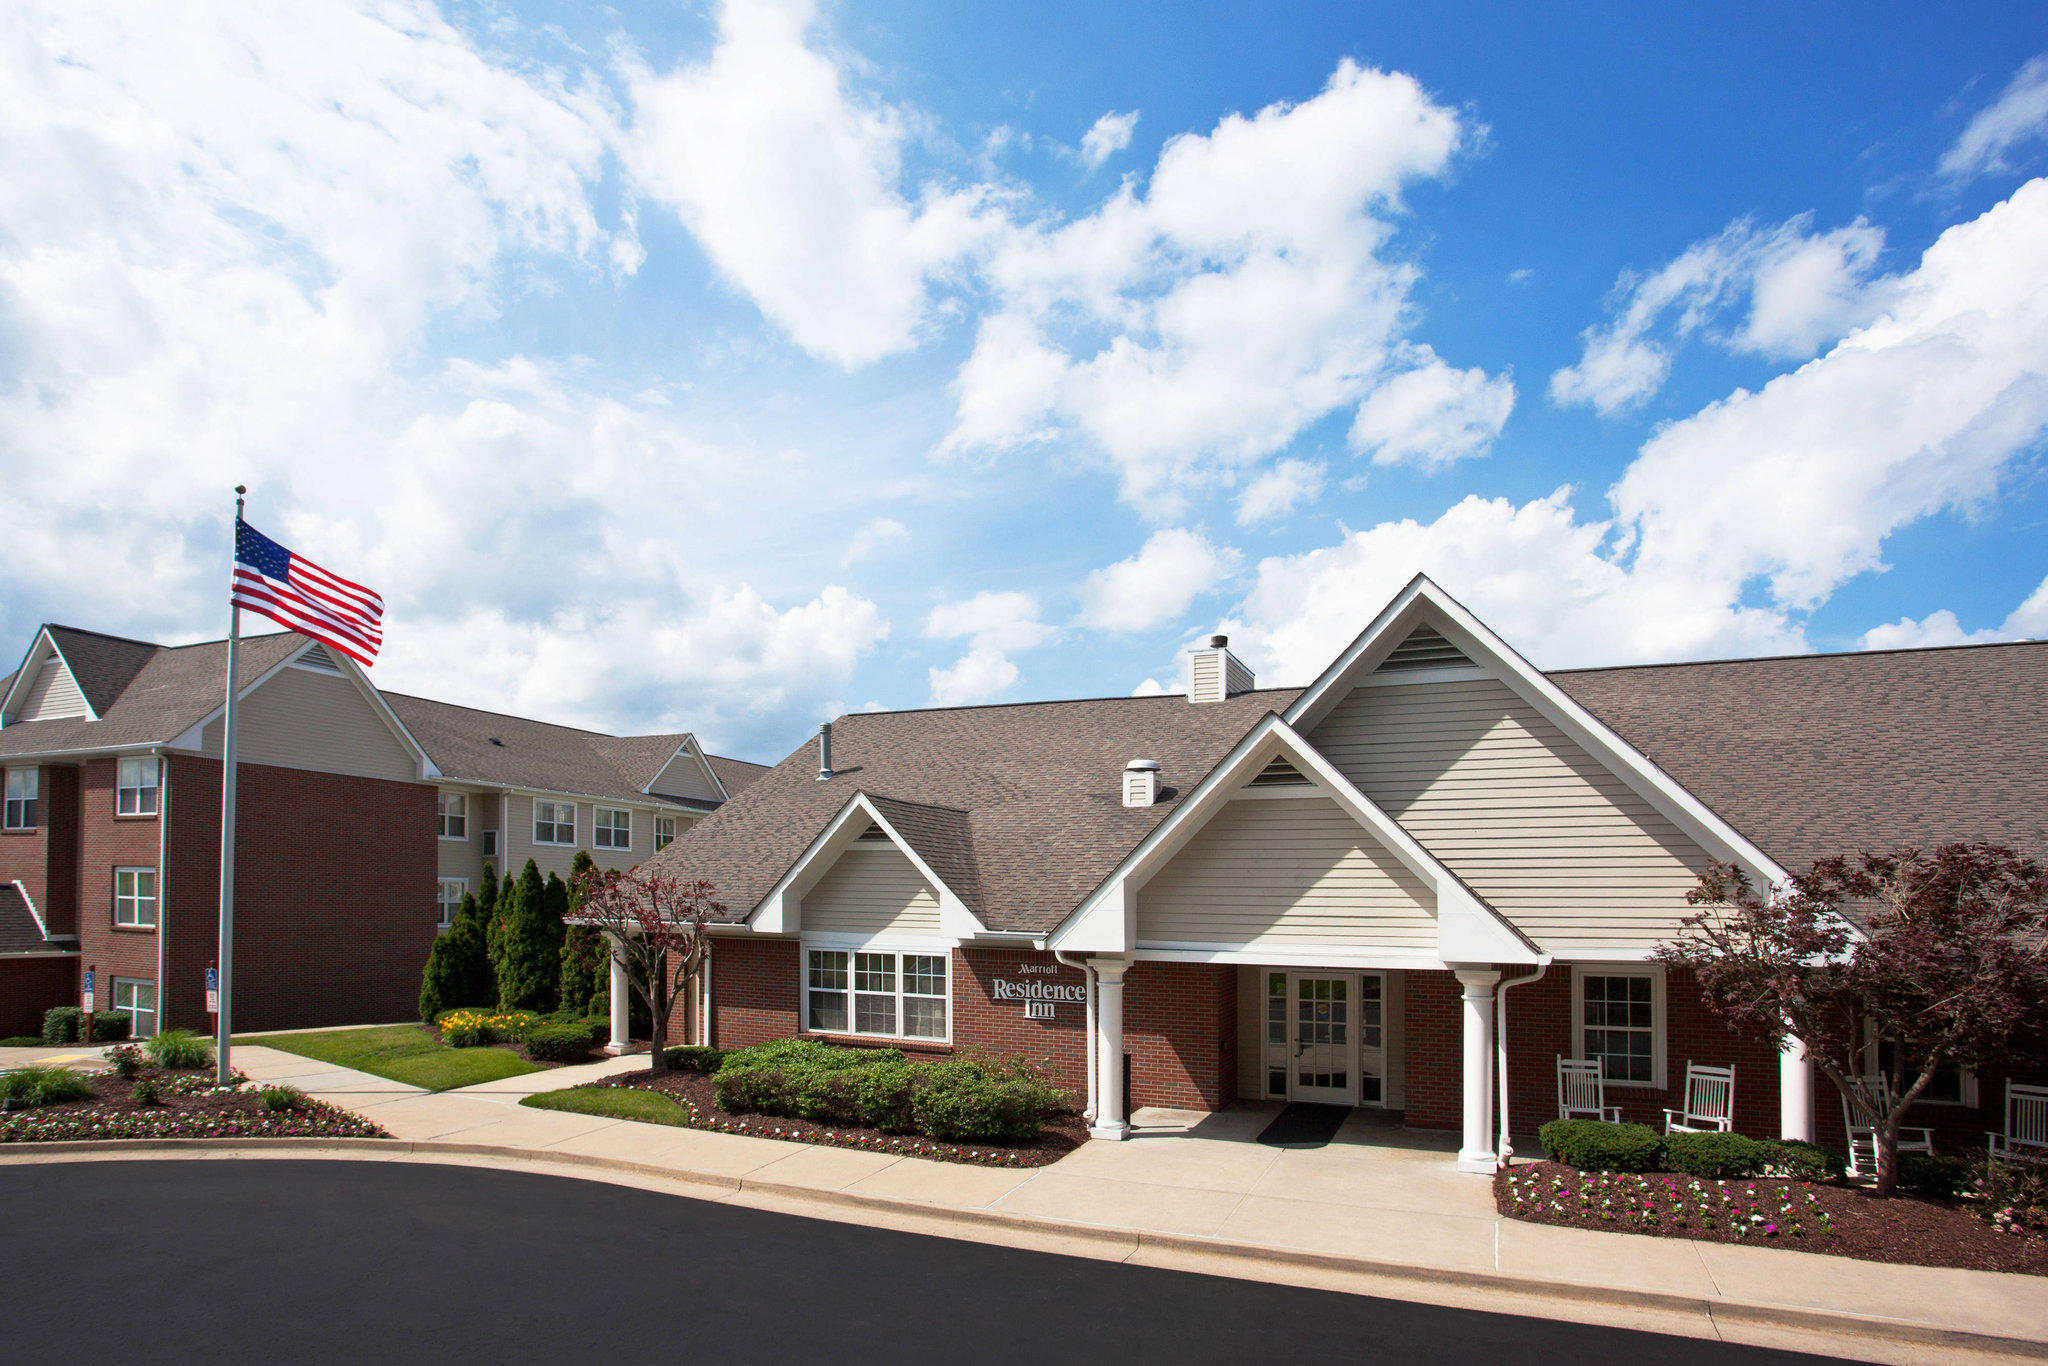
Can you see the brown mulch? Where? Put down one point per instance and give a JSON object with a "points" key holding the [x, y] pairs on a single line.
{"points": [[1907, 1229], [1059, 1137], [188, 1107]]}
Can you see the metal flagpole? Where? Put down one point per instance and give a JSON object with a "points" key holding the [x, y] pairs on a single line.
{"points": [[227, 834]]}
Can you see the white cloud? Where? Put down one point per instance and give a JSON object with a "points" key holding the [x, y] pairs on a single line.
{"points": [[995, 626], [1156, 585], [874, 537], [2017, 116], [2028, 621], [1191, 330], [1803, 290], [1432, 414], [1280, 490], [1109, 135], [791, 182], [1732, 524], [1151, 687]]}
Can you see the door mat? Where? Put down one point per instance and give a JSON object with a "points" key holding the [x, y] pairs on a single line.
{"points": [[1302, 1125]]}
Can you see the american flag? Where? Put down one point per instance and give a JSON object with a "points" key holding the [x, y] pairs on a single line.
{"points": [[293, 591]]}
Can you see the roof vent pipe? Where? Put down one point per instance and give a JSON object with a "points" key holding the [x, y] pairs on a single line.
{"points": [[1141, 782], [824, 750]]}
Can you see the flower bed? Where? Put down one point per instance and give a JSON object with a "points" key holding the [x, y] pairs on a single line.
{"points": [[1846, 1221], [189, 1106], [697, 1093]]}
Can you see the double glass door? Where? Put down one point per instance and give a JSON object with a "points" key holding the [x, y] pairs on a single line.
{"points": [[1326, 1036]]}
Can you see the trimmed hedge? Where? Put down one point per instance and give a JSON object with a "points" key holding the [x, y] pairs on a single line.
{"points": [[561, 1041], [1807, 1161], [1931, 1174], [1592, 1145], [61, 1024], [1716, 1156], [692, 1058], [967, 1100]]}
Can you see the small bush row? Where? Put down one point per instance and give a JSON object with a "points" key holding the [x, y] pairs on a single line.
{"points": [[968, 1100], [1594, 1146], [561, 1041], [62, 1024]]}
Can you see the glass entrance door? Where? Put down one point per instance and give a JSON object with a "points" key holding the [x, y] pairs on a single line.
{"points": [[1323, 1039]]}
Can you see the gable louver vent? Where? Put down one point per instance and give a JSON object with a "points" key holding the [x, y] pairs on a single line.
{"points": [[1424, 649], [1279, 773]]}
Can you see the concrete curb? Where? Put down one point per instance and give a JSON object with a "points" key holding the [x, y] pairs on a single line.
{"points": [[1248, 1256]]}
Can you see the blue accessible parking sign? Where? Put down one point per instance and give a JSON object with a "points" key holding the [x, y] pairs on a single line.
{"points": [[213, 991]]}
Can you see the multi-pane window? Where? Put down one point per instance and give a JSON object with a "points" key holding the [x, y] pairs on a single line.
{"points": [[554, 822], [1951, 1085], [136, 999], [884, 995], [135, 898], [614, 828], [664, 831], [449, 899], [135, 787], [1618, 1024], [454, 815], [21, 799]]}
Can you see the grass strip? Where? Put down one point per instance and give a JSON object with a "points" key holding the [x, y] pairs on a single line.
{"points": [[404, 1053]]}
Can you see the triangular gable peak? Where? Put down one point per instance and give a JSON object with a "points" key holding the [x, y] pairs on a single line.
{"points": [[688, 773], [853, 830], [314, 658], [45, 688], [1414, 639], [1274, 760]]}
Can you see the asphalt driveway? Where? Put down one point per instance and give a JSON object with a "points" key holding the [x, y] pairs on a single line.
{"points": [[329, 1261]]}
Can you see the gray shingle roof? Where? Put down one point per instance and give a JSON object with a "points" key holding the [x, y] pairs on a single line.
{"points": [[19, 932], [163, 696], [1808, 756], [471, 745], [103, 666], [1024, 803], [736, 774]]}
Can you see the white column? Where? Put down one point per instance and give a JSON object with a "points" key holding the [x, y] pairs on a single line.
{"points": [[1795, 1092], [1109, 1045], [1475, 1150], [622, 1004]]}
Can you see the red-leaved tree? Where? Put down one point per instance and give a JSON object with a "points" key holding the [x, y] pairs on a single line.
{"points": [[1948, 967], [658, 928]]}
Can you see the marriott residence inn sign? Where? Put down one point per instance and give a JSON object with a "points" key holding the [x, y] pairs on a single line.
{"points": [[1040, 996]]}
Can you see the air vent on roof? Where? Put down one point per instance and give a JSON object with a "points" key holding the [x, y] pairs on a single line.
{"points": [[317, 660], [496, 741], [875, 834], [1279, 773], [1424, 649]]}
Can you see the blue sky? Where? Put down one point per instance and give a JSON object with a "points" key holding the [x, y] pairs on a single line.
{"points": [[727, 367]]}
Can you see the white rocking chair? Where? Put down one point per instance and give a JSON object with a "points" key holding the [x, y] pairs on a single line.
{"points": [[1709, 1102], [1582, 1090], [2026, 1125], [1861, 1122]]}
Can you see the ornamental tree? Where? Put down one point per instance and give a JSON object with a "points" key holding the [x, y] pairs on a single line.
{"points": [[1948, 967], [657, 928], [529, 946]]}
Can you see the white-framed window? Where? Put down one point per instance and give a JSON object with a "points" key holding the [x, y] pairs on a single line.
{"points": [[135, 787], [614, 828], [448, 899], [664, 832], [135, 997], [135, 898], [1952, 1085], [20, 810], [454, 815], [1618, 1010], [881, 994], [554, 822]]}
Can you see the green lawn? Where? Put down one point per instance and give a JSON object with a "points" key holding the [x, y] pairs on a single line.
{"points": [[404, 1053], [613, 1102]]}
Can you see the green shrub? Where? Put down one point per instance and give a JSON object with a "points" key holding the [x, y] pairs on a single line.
{"points": [[2018, 1190], [690, 1058], [22, 1041], [964, 1100], [528, 955], [126, 1060], [561, 1042], [41, 1084], [144, 1092], [1931, 1174], [469, 1028], [280, 1099], [111, 1026], [1593, 1146], [458, 971], [1807, 1161], [970, 1104], [62, 1023], [1717, 1156], [180, 1048]]}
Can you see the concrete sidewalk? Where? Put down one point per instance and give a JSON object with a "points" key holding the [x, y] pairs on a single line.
{"points": [[1382, 1212]]}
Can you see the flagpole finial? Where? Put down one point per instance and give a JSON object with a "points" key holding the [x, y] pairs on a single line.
{"points": [[241, 488]]}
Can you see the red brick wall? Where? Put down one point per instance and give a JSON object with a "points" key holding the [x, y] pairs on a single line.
{"points": [[1180, 1028], [986, 1024], [30, 986], [1433, 1046], [334, 895], [107, 842], [45, 860], [754, 989]]}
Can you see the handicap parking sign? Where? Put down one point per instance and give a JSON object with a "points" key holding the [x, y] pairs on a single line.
{"points": [[213, 991]]}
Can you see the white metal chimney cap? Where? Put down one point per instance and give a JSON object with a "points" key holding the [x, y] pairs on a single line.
{"points": [[1142, 766]]}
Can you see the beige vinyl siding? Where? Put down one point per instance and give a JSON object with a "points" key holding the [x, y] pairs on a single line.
{"points": [[464, 858], [53, 695], [558, 858], [1287, 872], [685, 777], [317, 721], [1550, 837], [871, 891], [1205, 677]]}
